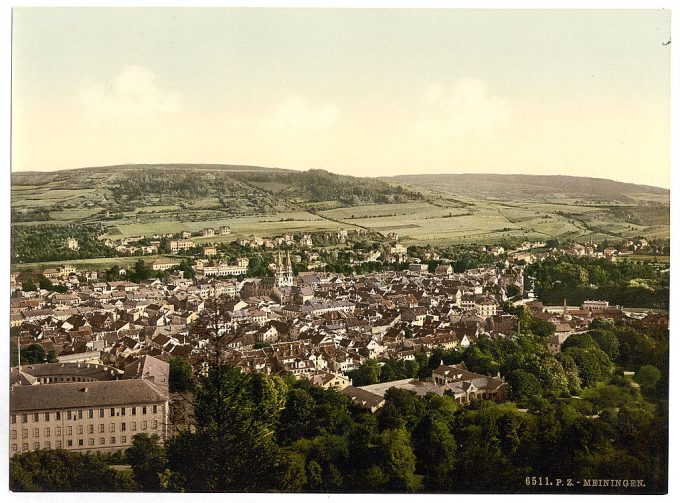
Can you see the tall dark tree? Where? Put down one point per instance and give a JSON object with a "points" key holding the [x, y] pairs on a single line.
{"points": [[435, 449], [180, 375], [233, 446], [398, 462], [148, 461]]}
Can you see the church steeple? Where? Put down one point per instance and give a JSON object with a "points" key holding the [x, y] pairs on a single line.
{"points": [[284, 270], [565, 314]]}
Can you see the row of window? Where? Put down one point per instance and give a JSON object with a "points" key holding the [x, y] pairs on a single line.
{"points": [[48, 380], [90, 429], [78, 414], [69, 443]]}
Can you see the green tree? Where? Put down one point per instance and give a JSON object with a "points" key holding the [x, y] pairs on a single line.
{"points": [[435, 449], [45, 283], [232, 447], [59, 470], [291, 471], [398, 462], [367, 373], [647, 376], [592, 363], [148, 461], [35, 353], [524, 386], [180, 375], [28, 286], [608, 342], [297, 416], [141, 271], [542, 328]]}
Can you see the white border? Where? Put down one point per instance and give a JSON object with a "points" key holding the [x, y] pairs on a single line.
{"points": [[5, 82]]}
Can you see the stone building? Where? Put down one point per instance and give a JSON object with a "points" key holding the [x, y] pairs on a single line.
{"points": [[85, 408]]}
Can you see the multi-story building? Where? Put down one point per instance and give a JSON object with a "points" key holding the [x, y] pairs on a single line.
{"points": [[94, 416], [209, 251], [181, 245], [163, 264], [595, 305], [485, 305], [73, 410], [225, 270]]}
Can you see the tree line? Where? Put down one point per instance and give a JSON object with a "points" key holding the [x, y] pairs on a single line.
{"points": [[627, 283]]}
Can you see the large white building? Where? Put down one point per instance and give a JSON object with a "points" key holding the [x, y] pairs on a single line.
{"points": [[85, 408], [225, 270], [181, 245], [163, 264]]}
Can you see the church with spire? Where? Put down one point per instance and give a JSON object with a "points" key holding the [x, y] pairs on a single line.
{"points": [[284, 271]]}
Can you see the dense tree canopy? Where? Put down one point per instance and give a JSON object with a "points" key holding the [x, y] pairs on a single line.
{"points": [[627, 283], [59, 470]]}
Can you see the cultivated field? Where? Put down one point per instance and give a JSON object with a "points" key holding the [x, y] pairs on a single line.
{"points": [[447, 213]]}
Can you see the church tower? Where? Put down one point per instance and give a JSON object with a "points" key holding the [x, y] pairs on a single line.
{"points": [[284, 271], [565, 314]]}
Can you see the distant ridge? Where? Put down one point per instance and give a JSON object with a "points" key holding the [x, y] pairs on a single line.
{"points": [[464, 182], [174, 165], [503, 186]]}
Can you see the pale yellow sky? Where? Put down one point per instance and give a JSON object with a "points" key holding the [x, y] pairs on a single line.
{"points": [[359, 92]]}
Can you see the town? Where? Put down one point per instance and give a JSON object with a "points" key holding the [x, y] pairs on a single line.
{"points": [[314, 325]]}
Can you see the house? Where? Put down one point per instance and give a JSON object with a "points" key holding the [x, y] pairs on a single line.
{"points": [[209, 251], [467, 386], [329, 380], [306, 241], [364, 398], [418, 268], [555, 341], [163, 264], [485, 305], [224, 230], [72, 244], [51, 273], [207, 232], [443, 270], [464, 385]]}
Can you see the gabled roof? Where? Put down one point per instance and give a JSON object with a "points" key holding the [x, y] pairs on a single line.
{"points": [[83, 395]]}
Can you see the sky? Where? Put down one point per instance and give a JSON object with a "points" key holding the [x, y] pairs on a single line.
{"points": [[364, 92]]}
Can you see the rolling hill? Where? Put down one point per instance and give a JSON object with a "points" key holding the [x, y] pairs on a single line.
{"points": [[129, 200], [511, 187]]}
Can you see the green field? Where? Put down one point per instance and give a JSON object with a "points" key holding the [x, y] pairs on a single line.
{"points": [[266, 203], [261, 226], [442, 221], [87, 264], [662, 259]]}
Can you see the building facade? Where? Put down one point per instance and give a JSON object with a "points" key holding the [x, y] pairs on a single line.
{"points": [[87, 408]]}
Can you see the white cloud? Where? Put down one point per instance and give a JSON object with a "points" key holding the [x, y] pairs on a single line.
{"points": [[298, 115], [464, 110], [133, 95]]}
